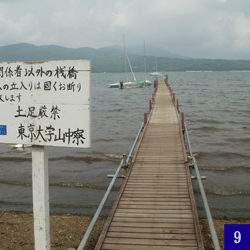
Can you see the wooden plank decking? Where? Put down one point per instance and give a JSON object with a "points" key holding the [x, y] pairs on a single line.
{"points": [[155, 207]]}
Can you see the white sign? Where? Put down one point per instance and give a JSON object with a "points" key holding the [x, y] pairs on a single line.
{"points": [[45, 103]]}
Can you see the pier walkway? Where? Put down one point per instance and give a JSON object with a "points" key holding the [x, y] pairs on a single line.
{"points": [[155, 207]]}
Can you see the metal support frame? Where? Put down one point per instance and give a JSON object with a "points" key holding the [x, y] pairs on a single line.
{"points": [[105, 197], [203, 195]]}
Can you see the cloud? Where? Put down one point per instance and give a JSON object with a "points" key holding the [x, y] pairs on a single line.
{"points": [[11, 1], [23, 27], [172, 8], [196, 28]]}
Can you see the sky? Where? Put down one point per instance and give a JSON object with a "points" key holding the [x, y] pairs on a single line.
{"points": [[194, 28]]}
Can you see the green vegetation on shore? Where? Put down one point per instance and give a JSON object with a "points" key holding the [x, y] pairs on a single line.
{"points": [[111, 59]]}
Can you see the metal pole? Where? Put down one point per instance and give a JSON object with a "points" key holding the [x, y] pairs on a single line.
{"points": [[135, 142], [96, 216], [204, 198]]}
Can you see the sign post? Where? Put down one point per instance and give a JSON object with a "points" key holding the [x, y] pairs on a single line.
{"points": [[40, 186], [45, 104]]}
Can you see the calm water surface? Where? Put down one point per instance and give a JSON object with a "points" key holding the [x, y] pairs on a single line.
{"points": [[217, 113]]}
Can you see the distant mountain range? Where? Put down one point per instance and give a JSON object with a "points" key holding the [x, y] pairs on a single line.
{"points": [[149, 51], [111, 59]]}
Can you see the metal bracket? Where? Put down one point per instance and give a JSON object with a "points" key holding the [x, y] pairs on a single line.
{"points": [[124, 160], [189, 159], [130, 158], [192, 164], [125, 166], [119, 176], [195, 178]]}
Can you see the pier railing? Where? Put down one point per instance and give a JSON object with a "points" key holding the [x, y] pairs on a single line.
{"points": [[203, 194], [123, 164], [127, 159], [193, 163]]}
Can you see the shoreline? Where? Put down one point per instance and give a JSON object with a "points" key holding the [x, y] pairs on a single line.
{"points": [[67, 230]]}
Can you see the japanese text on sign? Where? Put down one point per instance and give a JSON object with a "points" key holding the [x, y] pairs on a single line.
{"points": [[46, 103]]}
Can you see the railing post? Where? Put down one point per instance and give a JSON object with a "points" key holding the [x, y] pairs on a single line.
{"points": [[182, 119], [203, 196], [177, 105], [166, 79], [124, 159], [145, 119], [150, 105], [174, 97]]}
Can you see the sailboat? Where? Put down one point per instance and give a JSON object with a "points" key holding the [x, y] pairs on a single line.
{"points": [[134, 84], [127, 84], [156, 73], [146, 82]]}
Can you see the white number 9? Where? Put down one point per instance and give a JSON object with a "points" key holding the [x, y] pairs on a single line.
{"points": [[237, 237]]}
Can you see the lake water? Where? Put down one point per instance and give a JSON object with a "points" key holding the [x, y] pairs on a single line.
{"points": [[217, 113]]}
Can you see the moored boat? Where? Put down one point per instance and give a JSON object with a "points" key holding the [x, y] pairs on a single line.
{"points": [[127, 84], [114, 85], [147, 83]]}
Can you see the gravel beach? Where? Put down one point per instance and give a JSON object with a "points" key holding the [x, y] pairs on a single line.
{"points": [[16, 230]]}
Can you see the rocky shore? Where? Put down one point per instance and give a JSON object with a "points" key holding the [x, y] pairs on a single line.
{"points": [[16, 230]]}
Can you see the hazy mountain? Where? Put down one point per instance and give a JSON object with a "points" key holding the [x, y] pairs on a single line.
{"points": [[29, 52], [154, 51], [111, 59], [149, 51]]}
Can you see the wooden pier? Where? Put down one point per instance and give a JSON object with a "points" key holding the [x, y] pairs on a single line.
{"points": [[155, 207]]}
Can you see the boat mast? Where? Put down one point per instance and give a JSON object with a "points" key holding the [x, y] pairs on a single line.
{"points": [[156, 64], [125, 58], [131, 68], [145, 62]]}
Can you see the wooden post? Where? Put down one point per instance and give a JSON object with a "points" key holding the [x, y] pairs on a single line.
{"points": [[153, 96], [40, 186], [182, 119], [145, 119], [174, 97], [150, 105], [177, 105]]}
